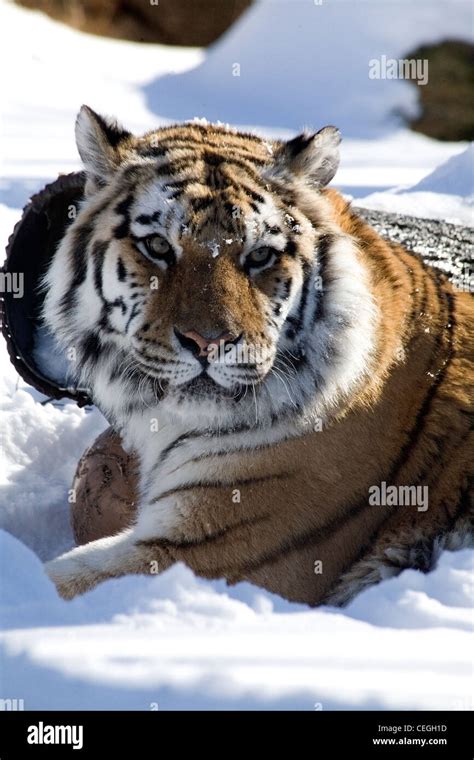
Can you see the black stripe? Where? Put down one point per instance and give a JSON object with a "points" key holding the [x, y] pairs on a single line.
{"points": [[286, 289], [175, 194], [123, 209], [171, 170], [91, 347], [82, 237], [119, 302], [201, 204], [99, 249], [298, 319], [177, 442], [213, 159], [133, 314], [177, 184], [219, 484], [291, 249], [250, 193], [434, 276], [150, 151], [324, 245], [148, 218], [218, 534], [121, 271], [245, 164], [226, 453], [409, 267]]}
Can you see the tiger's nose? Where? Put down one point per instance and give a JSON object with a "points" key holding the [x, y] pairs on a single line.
{"points": [[201, 345]]}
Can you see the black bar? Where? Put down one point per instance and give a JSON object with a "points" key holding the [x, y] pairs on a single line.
{"points": [[324, 734]]}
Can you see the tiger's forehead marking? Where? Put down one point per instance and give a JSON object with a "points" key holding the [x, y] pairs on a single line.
{"points": [[186, 142], [205, 215], [207, 183], [208, 189]]}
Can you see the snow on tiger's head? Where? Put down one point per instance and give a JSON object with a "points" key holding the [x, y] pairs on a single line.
{"points": [[194, 257]]}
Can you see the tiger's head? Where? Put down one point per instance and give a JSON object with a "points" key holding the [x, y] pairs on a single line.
{"points": [[196, 270]]}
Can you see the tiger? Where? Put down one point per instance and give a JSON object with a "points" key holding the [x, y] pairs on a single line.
{"points": [[268, 358]]}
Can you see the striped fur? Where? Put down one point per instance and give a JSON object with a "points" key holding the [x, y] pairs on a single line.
{"points": [[257, 469]]}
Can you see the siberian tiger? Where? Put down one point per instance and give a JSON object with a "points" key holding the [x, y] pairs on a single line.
{"points": [[269, 359]]}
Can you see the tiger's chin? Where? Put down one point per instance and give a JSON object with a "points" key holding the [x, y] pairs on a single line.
{"points": [[205, 388], [210, 404]]}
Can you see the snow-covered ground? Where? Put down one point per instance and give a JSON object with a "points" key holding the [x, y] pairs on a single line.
{"points": [[178, 641]]}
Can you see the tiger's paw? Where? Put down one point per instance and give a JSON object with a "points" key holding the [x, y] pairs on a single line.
{"points": [[70, 580]]}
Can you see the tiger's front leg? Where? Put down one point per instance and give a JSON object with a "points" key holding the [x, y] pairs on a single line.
{"points": [[126, 553], [84, 567]]}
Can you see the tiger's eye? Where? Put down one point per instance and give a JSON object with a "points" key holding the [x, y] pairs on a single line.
{"points": [[259, 257], [157, 245], [157, 249]]}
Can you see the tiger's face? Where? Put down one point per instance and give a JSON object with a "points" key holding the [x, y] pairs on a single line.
{"points": [[194, 256], [212, 261], [217, 281]]}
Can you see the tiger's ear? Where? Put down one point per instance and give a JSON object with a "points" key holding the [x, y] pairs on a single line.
{"points": [[312, 155], [98, 140]]}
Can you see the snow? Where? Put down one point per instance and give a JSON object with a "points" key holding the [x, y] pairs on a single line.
{"points": [[175, 640], [455, 177], [214, 247], [447, 193], [277, 67], [178, 640]]}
